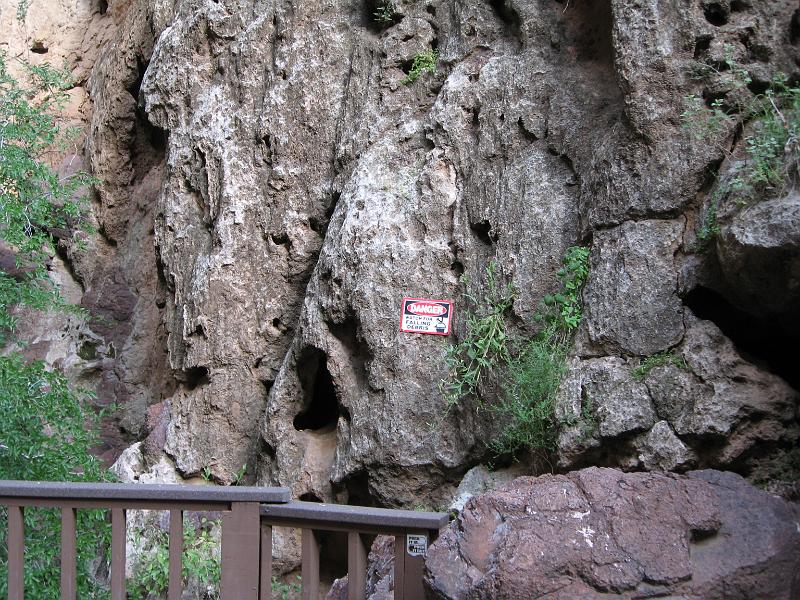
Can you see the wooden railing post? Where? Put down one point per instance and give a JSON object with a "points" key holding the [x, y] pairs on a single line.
{"points": [[356, 566], [240, 552], [409, 561], [265, 568], [16, 553], [310, 565], [175, 590], [68, 554], [118, 519]]}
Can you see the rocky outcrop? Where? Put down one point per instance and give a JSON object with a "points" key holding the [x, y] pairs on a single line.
{"points": [[601, 533], [272, 185]]}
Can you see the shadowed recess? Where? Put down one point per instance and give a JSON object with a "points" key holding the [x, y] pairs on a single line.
{"points": [[769, 342], [321, 406]]}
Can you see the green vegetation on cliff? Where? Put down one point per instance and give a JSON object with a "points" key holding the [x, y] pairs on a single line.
{"points": [[45, 433], [530, 371], [770, 160]]}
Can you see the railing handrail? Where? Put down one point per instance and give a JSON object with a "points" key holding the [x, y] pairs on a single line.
{"points": [[343, 517], [248, 515], [47, 490]]}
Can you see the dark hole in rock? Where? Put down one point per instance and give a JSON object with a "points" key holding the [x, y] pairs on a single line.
{"points": [[457, 267], [476, 116], [103, 7], [716, 13], [701, 45], [758, 86], [281, 238], [322, 412], [332, 204], [589, 30], [194, 377], [136, 85], [794, 28], [506, 13], [318, 225], [310, 497], [39, 48], [769, 342], [483, 231], [354, 490]]}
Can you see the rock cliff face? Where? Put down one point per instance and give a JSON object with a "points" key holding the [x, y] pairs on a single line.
{"points": [[272, 186]]}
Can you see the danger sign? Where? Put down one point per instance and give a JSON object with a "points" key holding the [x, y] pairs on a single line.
{"points": [[426, 316]]}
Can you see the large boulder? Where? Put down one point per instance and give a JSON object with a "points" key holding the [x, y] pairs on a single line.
{"points": [[599, 533]]}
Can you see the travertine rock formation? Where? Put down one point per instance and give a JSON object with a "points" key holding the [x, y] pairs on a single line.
{"points": [[601, 533], [272, 187]]}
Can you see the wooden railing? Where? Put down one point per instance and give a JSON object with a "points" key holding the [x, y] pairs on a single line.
{"points": [[412, 531], [249, 513]]}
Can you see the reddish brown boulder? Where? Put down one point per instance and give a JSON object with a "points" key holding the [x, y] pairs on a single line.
{"points": [[598, 533]]}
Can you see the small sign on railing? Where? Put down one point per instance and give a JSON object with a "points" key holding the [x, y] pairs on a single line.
{"points": [[416, 545], [426, 316]]}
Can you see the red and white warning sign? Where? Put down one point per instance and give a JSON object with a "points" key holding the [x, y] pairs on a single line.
{"points": [[426, 316]]}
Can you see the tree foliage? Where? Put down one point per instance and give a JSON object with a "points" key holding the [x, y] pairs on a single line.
{"points": [[45, 431]]}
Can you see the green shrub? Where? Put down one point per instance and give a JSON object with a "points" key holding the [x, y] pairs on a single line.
{"points": [[531, 371], [201, 563], [424, 62], [46, 435], [34, 199]]}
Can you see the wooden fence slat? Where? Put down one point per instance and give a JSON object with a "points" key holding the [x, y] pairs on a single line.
{"points": [[240, 552], [16, 553], [356, 567], [310, 565], [68, 554], [175, 589], [265, 569], [118, 554], [408, 570]]}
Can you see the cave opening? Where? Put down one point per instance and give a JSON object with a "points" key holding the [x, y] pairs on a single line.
{"points": [[716, 13], [484, 232], [196, 376], [769, 342], [322, 412]]}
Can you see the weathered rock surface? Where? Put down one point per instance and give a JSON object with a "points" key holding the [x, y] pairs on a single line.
{"points": [[601, 533], [705, 406], [759, 254]]}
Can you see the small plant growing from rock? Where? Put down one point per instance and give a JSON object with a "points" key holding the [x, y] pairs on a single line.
{"points": [[384, 13], [658, 360], [771, 146], [424, 62], [486, 345]]}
